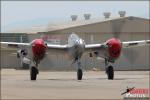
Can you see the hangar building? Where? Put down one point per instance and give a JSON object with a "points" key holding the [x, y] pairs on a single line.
{"points": [[130, 28]]}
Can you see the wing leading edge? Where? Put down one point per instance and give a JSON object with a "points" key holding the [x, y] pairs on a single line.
{"points": [[95, 47], [135, 43], [56, 46], [13, 45], [57, 49]]}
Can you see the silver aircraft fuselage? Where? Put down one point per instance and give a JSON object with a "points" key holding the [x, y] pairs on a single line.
{"points": [[76, 46]]}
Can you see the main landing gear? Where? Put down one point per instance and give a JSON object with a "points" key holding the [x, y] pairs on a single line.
{"points": [[34, 71], [109, 70], [79, 70]]}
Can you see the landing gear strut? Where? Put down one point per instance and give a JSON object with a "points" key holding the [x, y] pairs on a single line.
{"points": [[34, 71], [109, 70], [79, 71]]}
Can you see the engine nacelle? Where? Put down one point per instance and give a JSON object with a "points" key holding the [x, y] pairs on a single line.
{"points": [[22, 53], [25, 63], [114, 48]]}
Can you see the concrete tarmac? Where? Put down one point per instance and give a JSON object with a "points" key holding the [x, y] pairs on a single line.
{"points": [[16, 84]]}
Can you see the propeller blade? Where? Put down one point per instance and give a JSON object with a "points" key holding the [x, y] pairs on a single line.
{"points": [[130, 54], [72, 62], [100, 58], [116, 27], [50, 26], [13, 54]]}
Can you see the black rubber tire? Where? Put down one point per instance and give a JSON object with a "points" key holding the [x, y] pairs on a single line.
{"points": [[33, 73], [79, 74], [110, 73]]}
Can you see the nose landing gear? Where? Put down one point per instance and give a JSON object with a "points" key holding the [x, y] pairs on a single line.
{"points": [[79, 74], [109, 70], [79, 70]]}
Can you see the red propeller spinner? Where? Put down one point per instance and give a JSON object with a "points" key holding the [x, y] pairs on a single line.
{"points": [[114, 48], [38, 48]]}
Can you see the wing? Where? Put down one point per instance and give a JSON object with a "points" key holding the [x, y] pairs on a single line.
{"points": [[57, 49], [93, 46], [7, 45], [96, 50], [135, 43]]}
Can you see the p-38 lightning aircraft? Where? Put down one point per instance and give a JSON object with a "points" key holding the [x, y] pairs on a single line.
{"points": [[110, 51]]}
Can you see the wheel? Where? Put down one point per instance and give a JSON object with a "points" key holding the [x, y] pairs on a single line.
{"points": [[79, 74], [33, 73], [110, 72]]}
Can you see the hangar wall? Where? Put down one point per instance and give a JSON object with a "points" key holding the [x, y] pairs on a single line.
{"points": [[9, 60]]}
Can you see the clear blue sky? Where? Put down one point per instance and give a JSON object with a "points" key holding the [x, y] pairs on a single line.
{"points": [[27, 13]]}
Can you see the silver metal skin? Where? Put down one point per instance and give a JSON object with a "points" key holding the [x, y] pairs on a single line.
{"points": [[76, 47]]}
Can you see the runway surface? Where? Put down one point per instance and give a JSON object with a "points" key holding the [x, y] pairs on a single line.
{"points": [[16, 84]]}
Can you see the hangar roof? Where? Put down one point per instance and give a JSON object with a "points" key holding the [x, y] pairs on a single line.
{"points": [[70, 24]]}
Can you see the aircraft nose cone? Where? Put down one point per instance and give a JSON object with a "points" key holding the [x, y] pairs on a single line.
{"points": [[77, 42]]}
